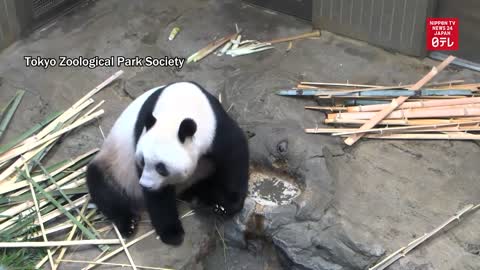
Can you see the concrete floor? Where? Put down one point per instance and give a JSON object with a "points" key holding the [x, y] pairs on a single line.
{"points": [[411, 187]]}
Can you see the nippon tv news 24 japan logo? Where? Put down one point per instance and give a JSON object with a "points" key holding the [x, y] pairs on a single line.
{"points": [[442, 34]]}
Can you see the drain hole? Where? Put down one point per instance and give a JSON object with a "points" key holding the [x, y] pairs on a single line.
{"points": [[270, 189]]}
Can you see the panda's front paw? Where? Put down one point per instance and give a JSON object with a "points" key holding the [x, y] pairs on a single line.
{"points": [[126, 226], [172, 235]]}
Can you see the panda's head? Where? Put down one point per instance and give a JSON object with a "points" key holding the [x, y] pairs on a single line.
{"points": [[166, 152]]}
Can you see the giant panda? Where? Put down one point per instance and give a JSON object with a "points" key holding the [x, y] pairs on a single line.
{"points": [[172, 141]]}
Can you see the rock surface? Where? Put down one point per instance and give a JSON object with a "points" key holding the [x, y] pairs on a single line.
{"points": [[357, 204]]}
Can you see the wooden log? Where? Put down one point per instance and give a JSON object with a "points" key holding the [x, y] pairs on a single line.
{"points": [[417, 104], [398, 101]]}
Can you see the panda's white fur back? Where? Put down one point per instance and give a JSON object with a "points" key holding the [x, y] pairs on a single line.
{"points": [[176, 102]]}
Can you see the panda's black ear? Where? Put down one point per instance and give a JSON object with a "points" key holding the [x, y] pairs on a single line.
{"points": [[150, 121], [188, 127]]}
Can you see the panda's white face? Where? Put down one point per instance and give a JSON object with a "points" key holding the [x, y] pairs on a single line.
{"points": [[164, 158]]}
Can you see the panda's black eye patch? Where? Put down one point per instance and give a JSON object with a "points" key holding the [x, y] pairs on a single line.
{"points": [[162, 169], [188, 127]]}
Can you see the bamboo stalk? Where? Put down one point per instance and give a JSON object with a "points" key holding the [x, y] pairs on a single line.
{"points": [[11, 185], [116, 264], [138, 239], [71, 234], [403, 122], [417, 104], [53, 125], [19, 163], [414, 136], [340, 84], [98, 88], [398, 101], [411, 129], [10, 110], [118, 250], [20, 150], [124, 247], [407, 87], [404, 250], [15, 142], [60, 207], [435, 112], [40, 220], [28, 204], [199, 55], [59, 243], [89, 112], [323, 108], [297, 37], [45, 259]]}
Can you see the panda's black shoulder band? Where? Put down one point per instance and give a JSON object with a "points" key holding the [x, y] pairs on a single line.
{"points": [[145, 117]]}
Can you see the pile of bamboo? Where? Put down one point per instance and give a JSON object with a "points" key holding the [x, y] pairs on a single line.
{"points": [[39, 204], [445, 110]]}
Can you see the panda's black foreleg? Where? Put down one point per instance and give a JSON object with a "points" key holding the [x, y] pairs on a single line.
{"points": [[162, 208], [111, 202]]}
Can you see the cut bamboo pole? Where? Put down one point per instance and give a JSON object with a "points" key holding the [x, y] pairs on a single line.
{"points": [[340, 84], [435, 112], [323, 108], [118, 250], [40, 221], [19, 163], [59, 243], [45, 259], [398, 101], [64, 117], [403, 122], [116, 264], [71, 234], [404, 250], [119, 235], [12, 211], [98, 88], [417, 104], [302, 36], [12, 185], [407, 87], [415, 136], [202, 53], [410, 128], [403, 129], [89, 112], [20, 150], [6, 117], [131, 243]]}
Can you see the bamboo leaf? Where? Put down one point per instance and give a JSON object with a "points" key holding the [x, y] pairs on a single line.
{"points": [[10, 110]]}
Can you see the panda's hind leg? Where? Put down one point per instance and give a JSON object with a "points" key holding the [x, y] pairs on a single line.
{"points": [[110, 200]]}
